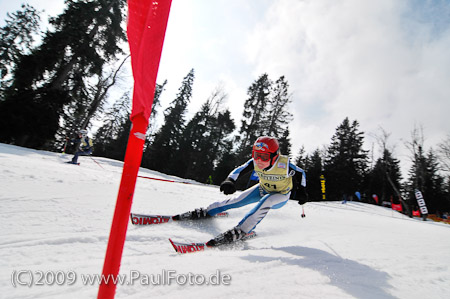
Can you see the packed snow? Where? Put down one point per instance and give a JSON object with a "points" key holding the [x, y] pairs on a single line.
{"points": [[56, 217]]}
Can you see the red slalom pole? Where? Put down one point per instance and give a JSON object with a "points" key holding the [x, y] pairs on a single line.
{"points": [[119, 225], [147, 23]]}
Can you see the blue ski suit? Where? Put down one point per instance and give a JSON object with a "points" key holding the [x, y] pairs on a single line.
{"points": [[281, 182]]}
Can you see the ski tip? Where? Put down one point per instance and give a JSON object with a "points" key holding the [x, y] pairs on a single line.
{"points": [[140, 219], [187, 247], [173, 245]]}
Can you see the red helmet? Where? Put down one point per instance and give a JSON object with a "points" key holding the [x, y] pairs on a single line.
{"points": [[266, 149]]}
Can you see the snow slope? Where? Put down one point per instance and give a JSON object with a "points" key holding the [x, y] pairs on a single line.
{"points": [[55, 219]]}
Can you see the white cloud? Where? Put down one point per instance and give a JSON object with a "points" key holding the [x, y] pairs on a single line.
{"points": [[375, 62], [384, 63]]}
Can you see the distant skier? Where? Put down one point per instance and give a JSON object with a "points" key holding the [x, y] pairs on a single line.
{"points": [[85, 146], [279, 181]]}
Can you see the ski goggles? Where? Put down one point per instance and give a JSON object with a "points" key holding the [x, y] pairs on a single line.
{"points": [[260, 156]]}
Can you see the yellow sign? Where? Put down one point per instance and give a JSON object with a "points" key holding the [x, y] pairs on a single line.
{"points": [[322, 185]]}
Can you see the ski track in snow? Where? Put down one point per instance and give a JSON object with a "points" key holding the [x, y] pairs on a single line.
{"points": [[56, 217]]}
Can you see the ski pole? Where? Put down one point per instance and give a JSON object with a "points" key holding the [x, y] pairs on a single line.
{"points": [[96, 162], [163, 180], [64, 149], [303, 212]]}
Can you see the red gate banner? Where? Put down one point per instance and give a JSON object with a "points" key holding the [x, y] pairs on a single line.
{"points": [[147, 23]]}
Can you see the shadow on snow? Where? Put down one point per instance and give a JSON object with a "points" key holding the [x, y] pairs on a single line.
{"points": [[356, 279]]}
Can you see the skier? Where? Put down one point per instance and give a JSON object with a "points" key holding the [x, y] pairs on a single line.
{"points": [[279, 181], [85, 146]]}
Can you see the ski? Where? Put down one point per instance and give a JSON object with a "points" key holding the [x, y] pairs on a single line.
{"points": [[182, 248], [142, 219], [70, 162]]}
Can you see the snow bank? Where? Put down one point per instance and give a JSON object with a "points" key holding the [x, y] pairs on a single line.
{"points": [[55, 221]]}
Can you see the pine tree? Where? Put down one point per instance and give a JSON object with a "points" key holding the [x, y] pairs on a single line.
{"points": [[266, 113], [279, 116], [444, 158], [79, 114], [444, 152], [161, 154], [159, 88], [434, 184], [424, 176], [446, 199], [314, 169], [346, 161], [312, 165], [301, 158], [16, 38], [226, 162], [84, 37], [205, 137], [386, 168], [285, 143], [255, 116], [112, 137], [191, 144]]}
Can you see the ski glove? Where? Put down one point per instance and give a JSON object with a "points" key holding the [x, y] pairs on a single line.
{"points": [[227, 186]]}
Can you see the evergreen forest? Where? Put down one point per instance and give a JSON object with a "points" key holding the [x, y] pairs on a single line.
{"points": [[56, 81]]}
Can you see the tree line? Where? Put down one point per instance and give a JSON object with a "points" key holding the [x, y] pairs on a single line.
{"points": [[343, 167], [55, 83], [210, 145], [205, 148]]}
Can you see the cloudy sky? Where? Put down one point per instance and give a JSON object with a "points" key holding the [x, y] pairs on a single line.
{"points": [[384, 63]]}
